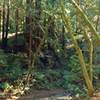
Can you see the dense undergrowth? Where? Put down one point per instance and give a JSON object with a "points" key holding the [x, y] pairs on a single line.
{"points": [[13, 71]]}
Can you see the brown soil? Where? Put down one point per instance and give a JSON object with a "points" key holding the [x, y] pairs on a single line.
{"points": [[41, 94]]}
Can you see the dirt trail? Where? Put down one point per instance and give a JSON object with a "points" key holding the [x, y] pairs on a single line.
{"points": [[41, 94]]}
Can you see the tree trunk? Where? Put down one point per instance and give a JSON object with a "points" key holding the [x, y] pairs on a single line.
{"points": [[16, 25], [37, 29], [0, 21], [7, 25], [77, 18], [38, 34], [29, 30], [63, 38], [97, 22], [3, 25]]}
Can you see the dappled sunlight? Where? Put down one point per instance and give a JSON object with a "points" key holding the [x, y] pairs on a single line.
{"points": [[49, 49], [10, 34]]}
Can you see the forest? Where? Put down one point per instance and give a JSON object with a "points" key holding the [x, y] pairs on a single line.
{"points": [[49, 49]]}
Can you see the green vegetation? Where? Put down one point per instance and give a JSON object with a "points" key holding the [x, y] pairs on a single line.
{"points": [[50, 44]]}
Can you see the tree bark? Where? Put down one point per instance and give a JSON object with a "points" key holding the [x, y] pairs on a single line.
{"points": [[29, 30], [0, 20], [16, 25], [7, 25], [3, 25]]}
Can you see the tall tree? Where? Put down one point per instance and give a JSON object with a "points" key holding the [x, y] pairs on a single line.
{"points": [[3, 25], [28, 29], [16, 27], [7, 25], [0, 20]]}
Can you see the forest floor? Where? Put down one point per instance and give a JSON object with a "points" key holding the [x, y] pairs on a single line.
{"points": [[57, 94], [39, 95]]}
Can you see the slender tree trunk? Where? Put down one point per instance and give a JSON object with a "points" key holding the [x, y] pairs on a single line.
{"points": [[28, 38], [63, 38], [38, 34], [30, 44], [77, 18], [7, 25], [97, 22], [3, 25], [29, 30], [90, 48], [38, 9], [16, 25], [0, 21], [38, 18]]}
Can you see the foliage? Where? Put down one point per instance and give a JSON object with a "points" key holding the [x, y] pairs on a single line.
{"points": [[46, 35], [59, 78], [3, 58], [74, 64], [11, 67], [5, 86]]}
